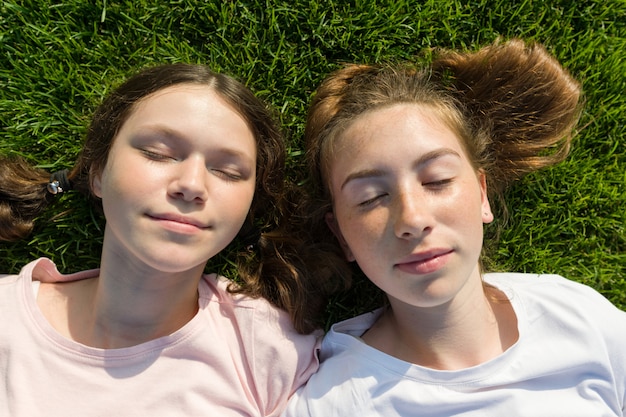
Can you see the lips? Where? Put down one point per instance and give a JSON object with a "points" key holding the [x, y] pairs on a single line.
{"points": [[424, 262], [177, 218]]}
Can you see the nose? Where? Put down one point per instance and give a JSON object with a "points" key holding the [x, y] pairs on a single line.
{"points": [[413, 217], [190, 180]]}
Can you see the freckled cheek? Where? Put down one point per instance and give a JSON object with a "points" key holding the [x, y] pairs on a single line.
{"points": [[364, 231], [464, 212]]}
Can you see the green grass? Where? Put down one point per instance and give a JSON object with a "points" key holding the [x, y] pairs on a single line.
{"points": [[58, 59]]}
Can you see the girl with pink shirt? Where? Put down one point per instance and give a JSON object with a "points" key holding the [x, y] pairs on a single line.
{"points": [[182, 160]]}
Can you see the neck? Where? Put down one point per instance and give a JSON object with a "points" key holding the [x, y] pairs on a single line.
{"points": [[129, 315], [456, 335], [130, 303]]}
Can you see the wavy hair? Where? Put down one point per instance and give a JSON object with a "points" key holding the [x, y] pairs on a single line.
{"points": [[513, 106]]}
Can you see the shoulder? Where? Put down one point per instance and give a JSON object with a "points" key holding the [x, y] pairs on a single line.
{"points": [[280, 358], [252, 313], [17, 297], [344, 336], [342, 386], [44, 270], [8, 287], [563, 305], [350, 371], [6, 279], [266, 327], [575, 317], [28, 272], [549, 287]]}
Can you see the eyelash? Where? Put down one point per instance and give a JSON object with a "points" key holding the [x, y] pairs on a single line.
{"points": [[221, 173], [155, 156], [434, 185], [372, 200], [227, 175], [438, 185]]}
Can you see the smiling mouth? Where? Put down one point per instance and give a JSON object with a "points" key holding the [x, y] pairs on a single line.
{"points": [[178, 220]]}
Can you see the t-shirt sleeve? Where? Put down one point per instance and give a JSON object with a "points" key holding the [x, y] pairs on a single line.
{"points": [[282, 359]]}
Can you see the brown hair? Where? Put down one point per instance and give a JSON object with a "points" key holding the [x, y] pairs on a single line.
{"points": [[513, 106], [274, 271]]}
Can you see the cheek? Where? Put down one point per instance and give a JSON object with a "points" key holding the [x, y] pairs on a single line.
{"points": [[244, 201], [362, 231], [127, 183], [465, 211], [235, 201]]}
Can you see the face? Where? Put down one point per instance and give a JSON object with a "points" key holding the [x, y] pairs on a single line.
{"points": [[408, 205], [179, 179]]}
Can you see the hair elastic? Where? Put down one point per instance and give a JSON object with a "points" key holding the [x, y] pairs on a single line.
{"points": [[59, 182]]}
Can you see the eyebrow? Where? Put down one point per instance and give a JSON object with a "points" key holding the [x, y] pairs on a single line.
{"points": [[422, 160]]}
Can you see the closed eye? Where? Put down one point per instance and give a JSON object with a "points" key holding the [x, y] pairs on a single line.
{"points": [[438, 185], [371, 201], [155, 156], [227, 175]]}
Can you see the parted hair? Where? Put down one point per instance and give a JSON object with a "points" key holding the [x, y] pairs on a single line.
{"points": [[513, 106], [274, 270]]}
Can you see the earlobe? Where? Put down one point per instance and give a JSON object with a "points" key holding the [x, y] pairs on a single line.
{"points": [[334, 227]]}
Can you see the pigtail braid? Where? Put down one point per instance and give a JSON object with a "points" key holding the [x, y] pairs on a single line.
{"points": [[24, 196]]}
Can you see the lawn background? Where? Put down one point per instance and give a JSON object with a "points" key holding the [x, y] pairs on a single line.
{"points": [[58, 59]]}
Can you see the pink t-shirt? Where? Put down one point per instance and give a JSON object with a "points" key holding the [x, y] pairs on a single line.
{"points": [[237, 357]]}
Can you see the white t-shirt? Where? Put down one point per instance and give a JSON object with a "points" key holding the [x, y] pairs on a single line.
{"points": [[237, 357], [569, 361]]}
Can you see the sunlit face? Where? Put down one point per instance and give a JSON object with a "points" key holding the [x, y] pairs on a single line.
{"points": [[408, 205], [179, 179]]}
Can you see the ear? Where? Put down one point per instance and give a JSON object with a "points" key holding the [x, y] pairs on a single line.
{"points": [[334, 227], [96, 183], [487, 215]]}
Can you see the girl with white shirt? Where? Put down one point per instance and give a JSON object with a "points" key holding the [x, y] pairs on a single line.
{"points": [[405, 164]]}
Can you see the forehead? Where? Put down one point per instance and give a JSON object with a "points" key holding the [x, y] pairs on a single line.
{"points": [[192, 113], [399, 126], [166, 96], [187, 102]]}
